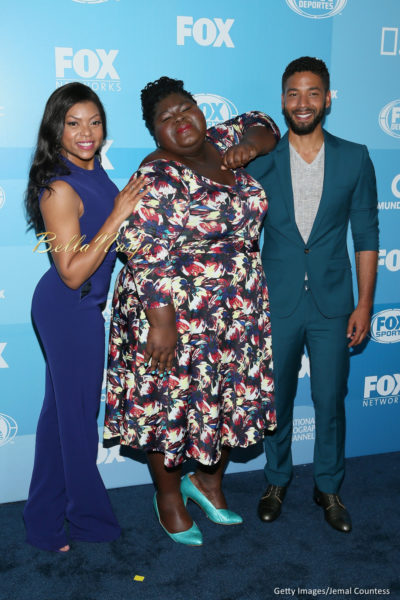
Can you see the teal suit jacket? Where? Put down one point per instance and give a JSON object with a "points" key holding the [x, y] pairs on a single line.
{"points": [[348, 195]]}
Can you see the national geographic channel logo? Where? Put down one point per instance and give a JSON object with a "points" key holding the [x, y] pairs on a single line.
{"points": [[389, 41], [303, 429], [385, 326], [389, 118], [8, 429], [216, 109], [95, 68], [317, 9]]}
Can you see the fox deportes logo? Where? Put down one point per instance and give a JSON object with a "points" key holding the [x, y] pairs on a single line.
{"points": [[317, 9], [216, 109], [8, 429], [95, 68], [385, 326], [389, 118], [381, 391]]}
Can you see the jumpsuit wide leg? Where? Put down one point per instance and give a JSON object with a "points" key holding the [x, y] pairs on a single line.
{"points": [[66, 483]]}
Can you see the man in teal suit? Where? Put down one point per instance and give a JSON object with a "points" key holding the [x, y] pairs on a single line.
{"points": [[316, 184]]}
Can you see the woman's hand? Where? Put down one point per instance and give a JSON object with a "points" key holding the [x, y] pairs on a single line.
{"points": [[238, 155], [160, 348], [161, 339], [256, 141], [61, 210], [126, 201]]}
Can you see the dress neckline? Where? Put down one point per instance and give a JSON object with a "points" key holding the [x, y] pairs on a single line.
{"points": [[75, 167], [198, 175]]}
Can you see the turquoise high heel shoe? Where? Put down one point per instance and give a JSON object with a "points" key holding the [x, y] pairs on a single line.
{"points": [[222, 516], [190, 537]]}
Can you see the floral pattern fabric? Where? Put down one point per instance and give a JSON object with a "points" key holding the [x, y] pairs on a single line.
{"points": [[194, 243]]}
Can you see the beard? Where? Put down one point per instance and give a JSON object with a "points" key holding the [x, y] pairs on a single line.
{"points": [[304, 128]]}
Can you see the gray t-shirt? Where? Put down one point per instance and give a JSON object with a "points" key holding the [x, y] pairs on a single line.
{"points": [[307, 182]]}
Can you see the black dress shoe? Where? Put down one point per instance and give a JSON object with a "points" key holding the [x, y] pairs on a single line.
{"points": [[269, 507], [335, 512]]}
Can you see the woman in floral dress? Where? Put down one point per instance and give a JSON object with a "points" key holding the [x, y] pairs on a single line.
{"points": [[190, 350]]}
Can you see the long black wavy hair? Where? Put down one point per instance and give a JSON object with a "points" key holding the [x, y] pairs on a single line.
{"points": [[47, 160], [157, 90]]}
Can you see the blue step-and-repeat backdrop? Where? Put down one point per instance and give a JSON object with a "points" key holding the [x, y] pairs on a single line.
{"points": [[231, 54]]}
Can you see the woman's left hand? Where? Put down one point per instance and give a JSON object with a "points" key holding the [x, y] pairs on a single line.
{"points": [[238, 156], [161, 339]]}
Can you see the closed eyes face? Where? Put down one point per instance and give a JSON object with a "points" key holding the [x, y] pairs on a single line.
{"points": [[170, 112], [179, 124], [83, 134]]}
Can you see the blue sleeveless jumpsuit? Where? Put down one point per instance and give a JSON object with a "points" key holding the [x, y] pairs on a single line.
{"points": [[66, 484]]}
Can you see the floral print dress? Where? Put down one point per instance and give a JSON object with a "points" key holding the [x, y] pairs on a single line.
{"points": [[194, 243]]}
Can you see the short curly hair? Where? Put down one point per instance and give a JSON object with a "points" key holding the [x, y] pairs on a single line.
{"points": [[157, 90], [307, 63]]}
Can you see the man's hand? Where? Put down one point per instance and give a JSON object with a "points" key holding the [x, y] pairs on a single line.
{"points": [[360, 318], [358, 325], [238, 156]]}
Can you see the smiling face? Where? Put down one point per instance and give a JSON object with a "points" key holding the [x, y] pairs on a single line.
{"points": [[304, 102], [82, 135], [179, 125]]}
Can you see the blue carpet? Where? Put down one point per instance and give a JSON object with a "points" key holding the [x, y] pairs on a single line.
{"points": [[298, 556]]}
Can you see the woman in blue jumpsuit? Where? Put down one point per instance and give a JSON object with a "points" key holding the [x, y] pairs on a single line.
{"points": [[70, 195]]}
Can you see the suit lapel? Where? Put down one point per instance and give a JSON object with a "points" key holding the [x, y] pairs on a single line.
{"points": [[329, 180], [282, 162]]}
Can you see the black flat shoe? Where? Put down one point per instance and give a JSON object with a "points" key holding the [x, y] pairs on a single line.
{"points": [[269, 507], [335, 511]]}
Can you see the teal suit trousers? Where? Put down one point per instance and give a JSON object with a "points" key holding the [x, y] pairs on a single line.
{"points": [[326, 343]]}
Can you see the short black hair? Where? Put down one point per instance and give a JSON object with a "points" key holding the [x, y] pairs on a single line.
{"points": [[307, 63], [157, 90]]}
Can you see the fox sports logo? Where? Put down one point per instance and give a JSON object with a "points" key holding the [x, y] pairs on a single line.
{"points": [[389, 118], [8, 429], [216, 109], [317, 9], [385, 326]]}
